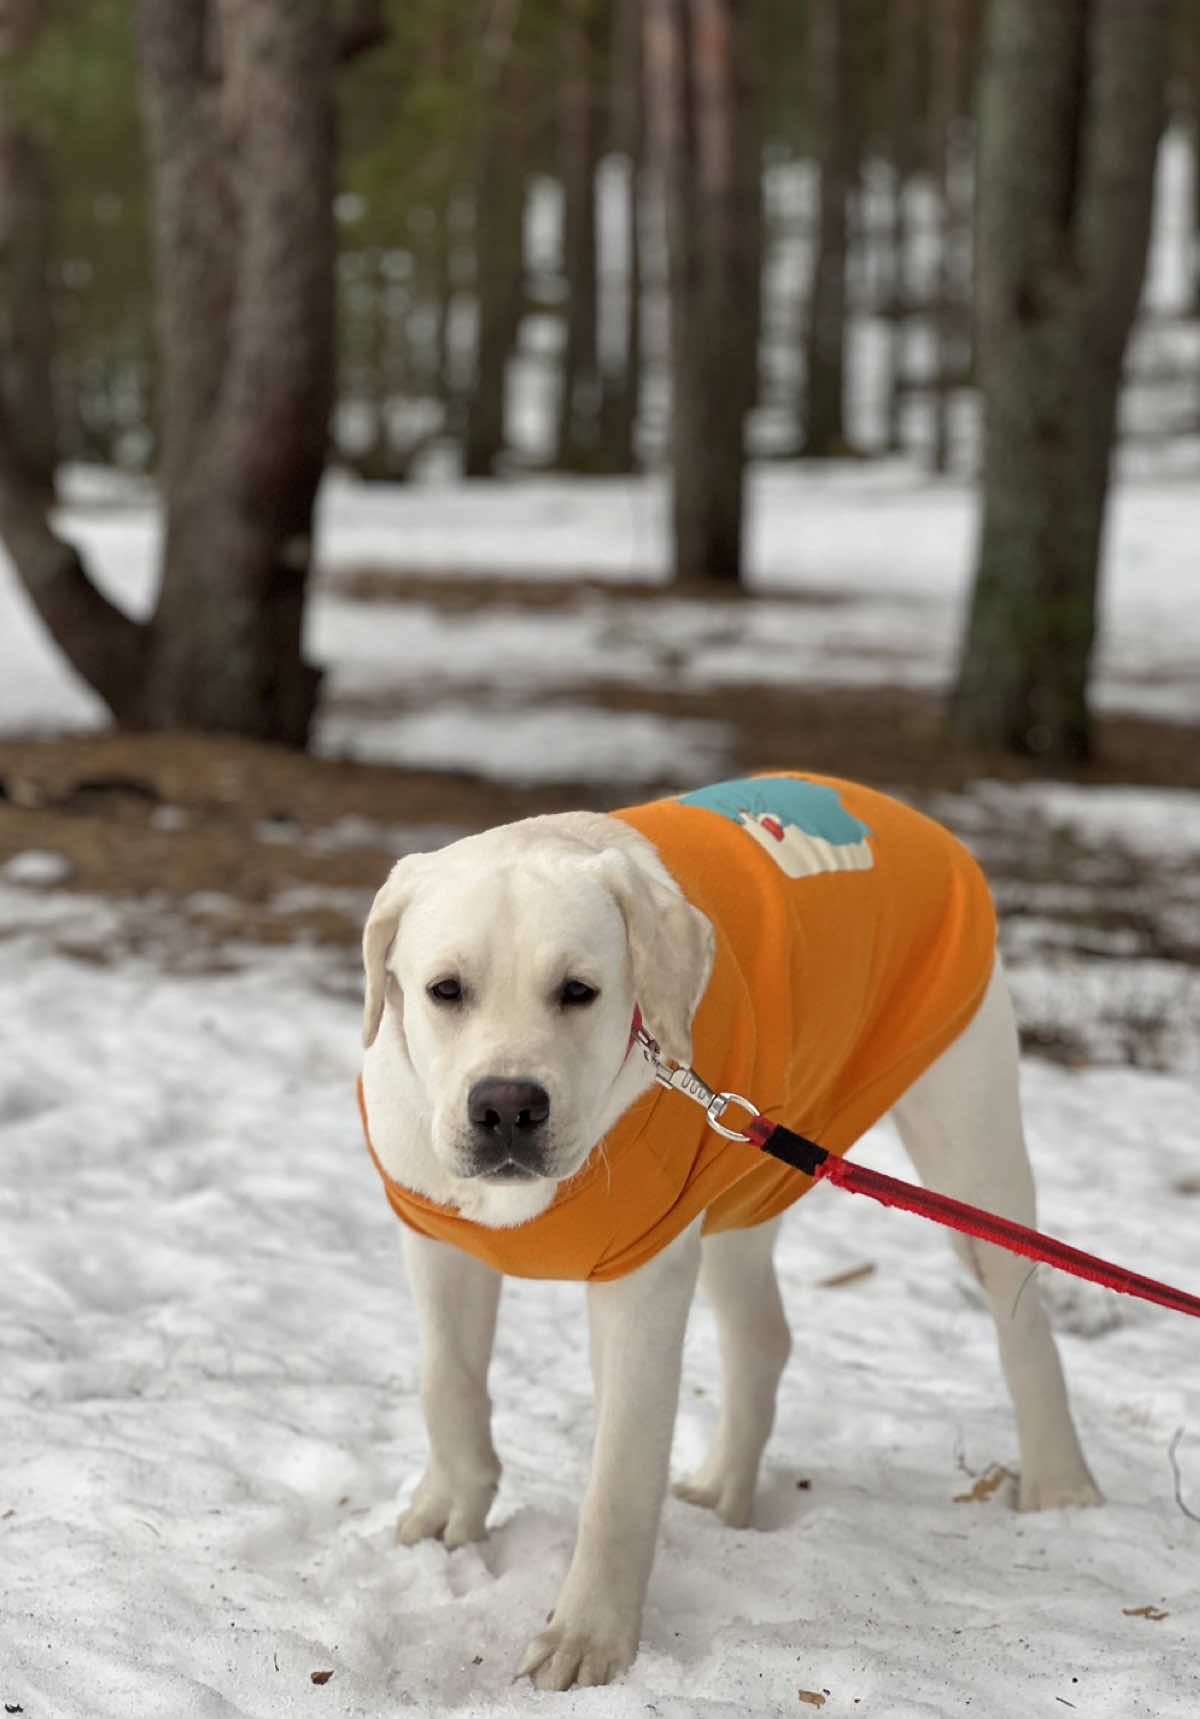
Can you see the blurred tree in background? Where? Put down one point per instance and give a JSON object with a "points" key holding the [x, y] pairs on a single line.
{"points": [[583, 235], [1071, 112]]}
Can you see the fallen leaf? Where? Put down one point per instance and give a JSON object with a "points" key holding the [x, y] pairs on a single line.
{"points": [[321, 1676], [810, 1695], [991, 1480], [1151, 1612]]}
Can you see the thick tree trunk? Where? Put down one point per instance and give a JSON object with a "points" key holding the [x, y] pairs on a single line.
{"points": [[702, 66], [1070, 117], [243, 195]]}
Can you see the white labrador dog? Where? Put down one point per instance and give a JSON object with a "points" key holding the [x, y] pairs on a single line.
{"points": [[502, 974]]}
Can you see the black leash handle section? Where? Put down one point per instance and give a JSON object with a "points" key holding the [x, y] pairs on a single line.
{"points": [[794, 1149]]}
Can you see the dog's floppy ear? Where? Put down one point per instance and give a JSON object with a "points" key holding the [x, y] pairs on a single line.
{"points": [[379, 934], [671, 946]]}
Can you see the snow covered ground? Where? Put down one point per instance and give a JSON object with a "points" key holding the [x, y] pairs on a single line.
{"points": [[209, 1351], [210, 1408]]}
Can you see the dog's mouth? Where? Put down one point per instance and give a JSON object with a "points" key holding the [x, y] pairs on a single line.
{"points": [[509, 1171]]}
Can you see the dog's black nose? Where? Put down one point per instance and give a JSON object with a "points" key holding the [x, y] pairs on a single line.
{"points": [[507, 1114]]}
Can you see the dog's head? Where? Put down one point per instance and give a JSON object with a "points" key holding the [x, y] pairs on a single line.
{"points": [[507, 967]]}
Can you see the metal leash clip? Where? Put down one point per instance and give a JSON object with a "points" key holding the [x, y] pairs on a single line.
{"points": [[687, 1081]]}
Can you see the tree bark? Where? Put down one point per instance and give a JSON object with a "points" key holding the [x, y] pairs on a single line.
{"points": [[702, 66], [1070, 116], [239, 112], [832, 84]]}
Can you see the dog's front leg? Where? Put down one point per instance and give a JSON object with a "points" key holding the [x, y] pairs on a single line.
{"points": [[456, 1299], [637, 1326]]}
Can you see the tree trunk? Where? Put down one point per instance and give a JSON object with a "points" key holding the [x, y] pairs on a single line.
{"points": [[1192, 74], [621, 376], [950, 40], [243, 189], [503, 103], [832, 83], [27, 301], [579, 398], [702, 68], [1070, 117], [103, 645], [902, 82]]}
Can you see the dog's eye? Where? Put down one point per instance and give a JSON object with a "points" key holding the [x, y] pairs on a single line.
{"points": [[576, 995], [445, 991]]}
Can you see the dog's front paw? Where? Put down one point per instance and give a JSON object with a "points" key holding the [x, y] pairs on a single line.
{"points": [[576, 1652], [441, 1512]]}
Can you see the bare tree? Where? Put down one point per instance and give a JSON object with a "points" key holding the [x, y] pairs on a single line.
{"points": [[1071, 111], [704, 98]]}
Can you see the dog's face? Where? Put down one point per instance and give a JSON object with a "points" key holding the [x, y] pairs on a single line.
{"points": [[509, 965]]}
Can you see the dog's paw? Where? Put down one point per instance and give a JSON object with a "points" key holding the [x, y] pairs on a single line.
{"points": [[587, 1656], [730, 1495], [1052, 1492], [721, 1487], [439, 1513]]}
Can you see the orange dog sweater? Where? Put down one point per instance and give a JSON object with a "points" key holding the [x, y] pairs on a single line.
{"points": [[854, 941]]}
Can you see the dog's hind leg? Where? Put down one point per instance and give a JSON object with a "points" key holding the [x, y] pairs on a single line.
{"points": [[961, 1125], [737, 1274]]}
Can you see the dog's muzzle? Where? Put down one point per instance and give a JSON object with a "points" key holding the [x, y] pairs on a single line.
{"points": [[508, 1138]]}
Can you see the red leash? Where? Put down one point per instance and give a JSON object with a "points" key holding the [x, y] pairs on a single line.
{"points": [[823, 1166], [813, 1160]]}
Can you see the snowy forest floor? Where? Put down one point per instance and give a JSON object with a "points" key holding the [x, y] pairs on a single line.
{"points": [[209, 1354]]}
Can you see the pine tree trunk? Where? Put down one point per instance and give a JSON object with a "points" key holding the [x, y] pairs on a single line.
{"points": [[832, 99], [702, 62], [1070, 116]]}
